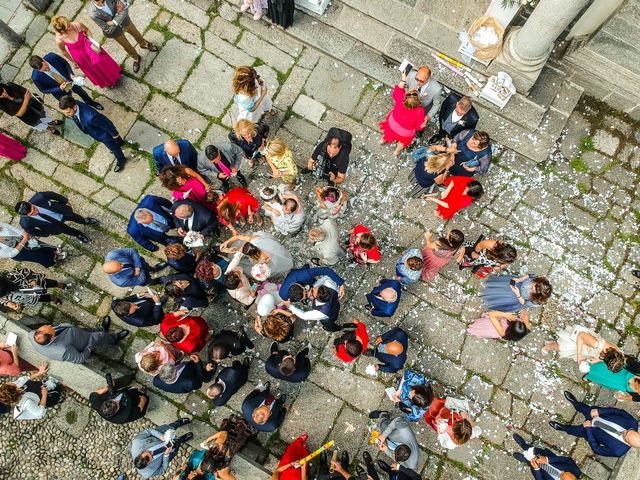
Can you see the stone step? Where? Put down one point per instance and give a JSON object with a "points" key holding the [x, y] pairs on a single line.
{"points": [[88, 377]]}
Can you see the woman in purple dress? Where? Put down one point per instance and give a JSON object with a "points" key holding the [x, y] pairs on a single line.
{"points": [[508, 326], [437, 254], [75, 43]]}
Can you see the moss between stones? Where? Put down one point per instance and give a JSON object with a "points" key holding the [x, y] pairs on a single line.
{"points": [[71, 417]]}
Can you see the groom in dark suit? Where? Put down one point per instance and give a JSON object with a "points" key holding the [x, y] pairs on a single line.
{"points": [[456, 114], [53, 74], [96, 125]]}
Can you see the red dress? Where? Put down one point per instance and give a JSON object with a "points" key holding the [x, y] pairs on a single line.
{"points": [[11, 149], [356, 250], [456, 199], [244, 199], [198, 331], [401, 123], [435, 408], [7, 367], [295, 451], [362, 335]]}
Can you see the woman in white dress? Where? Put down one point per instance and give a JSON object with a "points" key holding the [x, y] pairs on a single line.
{"points": [[250, 94], [331, 202], [258, 248]]}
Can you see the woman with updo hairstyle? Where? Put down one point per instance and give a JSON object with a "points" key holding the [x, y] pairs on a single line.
{"points": [[454, 428], [251, 138], [507, 326], [76, 43], [485, 257], [437, 254], [250, 94], [278, 325], [509, 293]]}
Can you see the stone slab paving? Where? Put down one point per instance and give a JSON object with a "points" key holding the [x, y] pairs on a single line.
{"points": [[573, 218]]}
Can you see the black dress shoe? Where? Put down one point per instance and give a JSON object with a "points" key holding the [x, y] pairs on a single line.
{"points": [[305, 351], [520, 457], [184, 421], [118, 167], [106, 323], [83, 238], [361, 473], [121, 335], [384, 466], [282, 398], [267, 385], [91, 221], [635, 273], [367, 458], [56, 123], [570, 397], [159, 266], [376, 413], [344, 460], [97, 106], [184, 438], [557, 426], [305, 171], [274, 348], [246, 362], [520, 441]]}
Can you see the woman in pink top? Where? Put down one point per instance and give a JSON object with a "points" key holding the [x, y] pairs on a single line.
{"points": [[186, 183], [11, 148], [73, 40], [404, 120], [9, 361]]}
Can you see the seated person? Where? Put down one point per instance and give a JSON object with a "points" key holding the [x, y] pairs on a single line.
{"points": [[184, 377], [186, 332], [141, 310], [385, 298], [228, 382], [284, 366], [391, 350], [119, 405]]}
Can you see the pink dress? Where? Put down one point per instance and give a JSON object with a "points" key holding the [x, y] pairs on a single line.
{"points": [[483, 328], [401, 123], [100, 69], [434, 260], [11, 148], [7, 367], [196, 193]]}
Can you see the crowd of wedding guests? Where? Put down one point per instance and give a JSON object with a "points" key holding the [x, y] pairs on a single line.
{"points": [[208, 199]]}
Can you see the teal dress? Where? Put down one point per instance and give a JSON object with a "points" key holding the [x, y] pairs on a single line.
{"points": [[601, 375], [194, 462]]}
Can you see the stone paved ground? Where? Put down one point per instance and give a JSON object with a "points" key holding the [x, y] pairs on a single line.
{"points": [[572, 219]]}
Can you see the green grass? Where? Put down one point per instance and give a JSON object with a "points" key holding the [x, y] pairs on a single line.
{"points": [[583, 188], [578, 165], [586, 144], [71, 417]]}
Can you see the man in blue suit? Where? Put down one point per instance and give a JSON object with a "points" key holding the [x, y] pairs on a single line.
{"points": [[391, 350], [298, 279], [175, 152], [262, 410], [184, 377], [228, 382], [610, 432], [546, 465], [53, 74], [96, 125], [150, 223], [282, 365], [384, 299], [141, 309], [126, 268]]}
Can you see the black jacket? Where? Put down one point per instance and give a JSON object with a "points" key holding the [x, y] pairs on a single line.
{"points": [[470, 118], [234, 378], [147, 314], [191, 378], [302, 371], [51, 201]]}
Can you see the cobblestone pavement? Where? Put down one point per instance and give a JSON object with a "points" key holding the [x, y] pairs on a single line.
{"points": [[572, 219]]}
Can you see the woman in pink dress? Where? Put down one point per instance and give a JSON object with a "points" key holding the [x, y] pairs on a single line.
{"points": [[11, 148], [73, 40], [404, 120], [186, 183], [508, 326], [437, 254], [9, 361]]}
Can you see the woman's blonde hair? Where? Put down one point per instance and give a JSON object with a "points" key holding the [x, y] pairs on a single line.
{"points": [[317, 234], [150, 362], [245, 126], [228, 210], [411, 99], [276, 148], [244, 81], [437, 163], [60, 24]]}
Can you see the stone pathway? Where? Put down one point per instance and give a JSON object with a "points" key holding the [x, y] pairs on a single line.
{"points": [[572, 218]]}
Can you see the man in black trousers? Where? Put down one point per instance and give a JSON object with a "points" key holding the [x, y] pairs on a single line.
{"points": [[46, 213], [119, 404], [229, 381], [284, 366]]}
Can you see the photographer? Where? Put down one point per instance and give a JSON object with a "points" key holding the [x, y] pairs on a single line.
{"points": [[330, 158]]}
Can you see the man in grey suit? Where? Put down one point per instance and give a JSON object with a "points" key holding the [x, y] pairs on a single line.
{"points": [[397, 439], [112, 16], [220, 160], [67, 343], [429, 91], [153, 449]]}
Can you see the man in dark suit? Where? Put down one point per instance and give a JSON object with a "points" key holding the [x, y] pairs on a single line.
{"points": [[66, 343], [119, 405], [46, 213], [140, 310], [391, 350], [284, 366], [126, 268], [384, 299], [262, 410], [456, 114], [228, 382], [546, 465], [192, 217], [175, 152], [184, 377], [150, 223], [96, 125], [610, 432], [227, 343], [305, 276], [53, 74]]}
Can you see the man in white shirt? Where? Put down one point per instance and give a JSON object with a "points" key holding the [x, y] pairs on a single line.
{"points": [[325, 304], [457, 114], [429, 91]]}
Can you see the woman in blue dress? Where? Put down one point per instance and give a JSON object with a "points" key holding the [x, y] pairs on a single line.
{"points": [[413, 396], [508, 293], [212, 464]]}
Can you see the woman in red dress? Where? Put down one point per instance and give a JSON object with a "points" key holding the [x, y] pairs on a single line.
{"points": [[404, 120], [363, 246], [289, 467], [459, 194], [238, 206]]}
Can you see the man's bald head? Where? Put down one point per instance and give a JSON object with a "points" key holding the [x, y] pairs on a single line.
{"points": [[423, 75], [171, 147], [184, 211], [111, 266]]}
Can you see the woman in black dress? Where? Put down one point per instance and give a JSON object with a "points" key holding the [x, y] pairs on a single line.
{"points": [[19, 102], [281, 12]]}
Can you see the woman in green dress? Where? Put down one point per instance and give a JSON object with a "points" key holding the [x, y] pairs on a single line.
{"points": [[625, 382]]}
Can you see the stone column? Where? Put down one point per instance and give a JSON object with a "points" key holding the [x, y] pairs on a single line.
{"points": [[526, 48]]}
